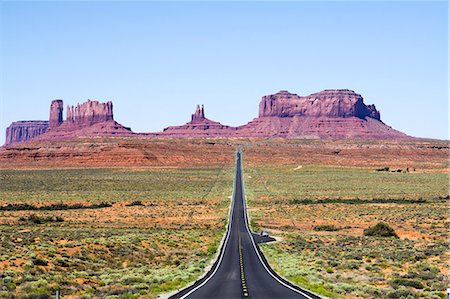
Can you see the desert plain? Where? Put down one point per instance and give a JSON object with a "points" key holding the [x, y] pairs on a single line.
{"points": [[119, 217]]}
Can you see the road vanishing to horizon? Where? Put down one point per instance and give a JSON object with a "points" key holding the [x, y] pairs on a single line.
{"points": [[241, 271]]}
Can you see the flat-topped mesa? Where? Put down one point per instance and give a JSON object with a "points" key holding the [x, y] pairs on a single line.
{"points": [[89, 113], [20, 131], [328, 103], [90, 118], [56, 113], [199, 114]]}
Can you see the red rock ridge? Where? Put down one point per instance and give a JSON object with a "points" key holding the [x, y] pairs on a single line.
{"points": [[327, 103], [89, 113], [90, 118], [329, 114], [20, 131]]}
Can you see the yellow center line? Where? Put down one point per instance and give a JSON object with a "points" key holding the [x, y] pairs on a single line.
{"points": [[241, 262]]}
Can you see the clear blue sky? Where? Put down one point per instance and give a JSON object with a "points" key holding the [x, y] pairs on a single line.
{"points": [[157, 60]]}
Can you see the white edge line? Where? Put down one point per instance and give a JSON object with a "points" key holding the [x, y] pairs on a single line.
{"points": [[253, 241], [224, 244]]}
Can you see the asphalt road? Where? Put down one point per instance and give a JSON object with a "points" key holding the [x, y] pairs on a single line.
{"points": [[241, 270]]}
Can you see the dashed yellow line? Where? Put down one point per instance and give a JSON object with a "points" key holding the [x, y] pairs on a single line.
{"points": [[241, 263]]}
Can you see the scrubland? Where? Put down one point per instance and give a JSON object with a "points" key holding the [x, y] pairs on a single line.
{"points": [[318, 211], [129, 218], [124, 233]]}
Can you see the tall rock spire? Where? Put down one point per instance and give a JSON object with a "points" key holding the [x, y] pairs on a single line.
{"points": [[56, 113], [199, 114]]}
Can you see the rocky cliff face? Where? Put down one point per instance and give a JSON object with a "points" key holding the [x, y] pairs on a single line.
{"points": [[89, 113], [327, 103], [86, 119], [23, 130], [329, 114], [56, 113]]}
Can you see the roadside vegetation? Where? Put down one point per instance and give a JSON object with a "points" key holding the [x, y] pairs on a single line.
{"points": [[354, 232], [154, 221], [110, 233]]}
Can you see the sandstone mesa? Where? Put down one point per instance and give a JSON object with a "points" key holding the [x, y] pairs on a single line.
{"points": [[329, 114]]}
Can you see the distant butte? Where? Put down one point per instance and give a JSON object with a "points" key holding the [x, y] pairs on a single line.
{"points": [[329, 114], [199, 126]]}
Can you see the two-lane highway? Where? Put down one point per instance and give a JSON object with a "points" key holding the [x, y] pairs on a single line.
{"points": [[241, 270]]}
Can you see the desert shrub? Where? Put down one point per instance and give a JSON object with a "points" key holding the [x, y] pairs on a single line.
{"points": [[40, 262], [381, 229], [406, 282], [326, 227], [39, 289], [51, 207], [301, 201], [402, 292], [135, 203], [100, 205], [423, 267], [36, 219], [357, 201], [301, 243]]}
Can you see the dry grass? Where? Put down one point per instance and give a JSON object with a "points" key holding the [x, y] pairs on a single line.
{"points": [[184, 186], [291, 201], [124, 250]]}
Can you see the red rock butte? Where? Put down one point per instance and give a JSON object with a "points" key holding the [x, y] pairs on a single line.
{"points": [[329, 114]]}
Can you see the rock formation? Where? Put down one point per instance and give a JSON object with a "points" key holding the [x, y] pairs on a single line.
{"points": [[199, 114], [91, 118], [56, 113], [199, 126], [329, 114], [89, 113], [20, 131], [327, 103]]}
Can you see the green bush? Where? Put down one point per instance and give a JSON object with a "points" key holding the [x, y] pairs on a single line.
{"points": [[381, 229], [326, 227], [135, 203], [401, 292], [406, 282], [40, 262]]}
